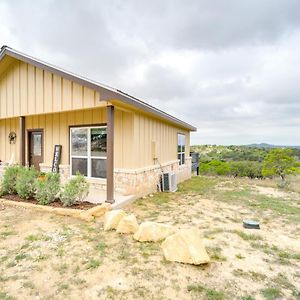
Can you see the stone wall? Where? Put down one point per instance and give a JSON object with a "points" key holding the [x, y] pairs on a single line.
{"points": [[146, 180], [138, 182]]}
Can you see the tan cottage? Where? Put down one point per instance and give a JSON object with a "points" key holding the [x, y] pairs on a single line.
{"points": [[117, 141]]}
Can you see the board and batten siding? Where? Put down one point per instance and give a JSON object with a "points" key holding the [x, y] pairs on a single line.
{"points": [[28, 90], [56, 132], [9, 152], [154, 137]]}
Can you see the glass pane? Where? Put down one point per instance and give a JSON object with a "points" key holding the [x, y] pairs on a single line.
{"points": [[79, 141], [98, 142], [179, 157], [179, 139], [37, 144], [183, 159], [79, 164], [99, 168], [183, 142]]}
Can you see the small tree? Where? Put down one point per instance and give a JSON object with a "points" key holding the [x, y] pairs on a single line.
{"points": [[280, 162]]}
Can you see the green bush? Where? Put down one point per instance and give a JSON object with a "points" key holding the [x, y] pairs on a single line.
{"points": [[281, 162], [215, 167], [76, 190], [8, 184], [47, 188], [249, 169], [25, 184]]}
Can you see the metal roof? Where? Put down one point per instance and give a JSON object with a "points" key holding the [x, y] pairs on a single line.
{"points": [[106, 92]]}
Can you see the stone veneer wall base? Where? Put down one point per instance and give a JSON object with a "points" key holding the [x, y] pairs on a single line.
{"points": [[139, 182]]}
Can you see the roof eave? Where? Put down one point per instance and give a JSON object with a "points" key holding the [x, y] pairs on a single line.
{"points": [[107, 93]]}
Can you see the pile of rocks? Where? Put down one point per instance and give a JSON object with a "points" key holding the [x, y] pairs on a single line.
{"points": [[183, 245]]}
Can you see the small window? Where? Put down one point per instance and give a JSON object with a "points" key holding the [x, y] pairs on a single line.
{"points": [[181, 148], [88, 151]]}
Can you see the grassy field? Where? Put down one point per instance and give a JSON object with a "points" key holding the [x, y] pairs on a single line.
{"points": [[50, 257]]}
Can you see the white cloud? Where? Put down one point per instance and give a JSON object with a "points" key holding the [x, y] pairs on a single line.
{"points": [[230, 68]]}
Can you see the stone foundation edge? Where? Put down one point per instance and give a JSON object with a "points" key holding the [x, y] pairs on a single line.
{"points": [[137, 182]]}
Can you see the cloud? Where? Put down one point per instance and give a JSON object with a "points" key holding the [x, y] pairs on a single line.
{"points": [[231, 68]]}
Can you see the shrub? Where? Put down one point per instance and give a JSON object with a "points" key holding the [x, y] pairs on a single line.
{"points": [[215, 167], [48, 188], [25, 184], [249, 169], [76, 190], [8, 184]]}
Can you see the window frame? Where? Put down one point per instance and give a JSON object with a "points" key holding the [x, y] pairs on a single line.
{"points": [[89, 156], [181, 153]]}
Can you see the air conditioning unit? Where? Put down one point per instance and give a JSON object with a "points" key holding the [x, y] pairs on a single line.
{"points": [[169, 182]]}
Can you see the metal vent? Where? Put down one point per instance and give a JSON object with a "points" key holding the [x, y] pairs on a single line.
{"points": [[169, 182]]}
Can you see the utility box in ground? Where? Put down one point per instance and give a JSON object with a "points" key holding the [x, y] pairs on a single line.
{"points": [[195, 161]]}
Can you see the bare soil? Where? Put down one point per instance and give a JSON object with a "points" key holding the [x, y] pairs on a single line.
{"points": [[43, 256]]}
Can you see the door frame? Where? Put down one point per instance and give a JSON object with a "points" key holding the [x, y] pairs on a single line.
{"points": [[29, 131]]}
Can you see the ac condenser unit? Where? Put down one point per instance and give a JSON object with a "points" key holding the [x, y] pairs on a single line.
{"points": [[169, 182]]}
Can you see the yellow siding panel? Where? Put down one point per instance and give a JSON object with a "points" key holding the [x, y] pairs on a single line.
{"points": [[67, 94], [39, 90], [56, 129], [23, 88], [64, 137], [27, 90], [48, 91], [3, 102], [57, 93], [31, 90], [9, 94], [16, 89], [9, 151], [88, 97], [164, 135], [77, 95]]}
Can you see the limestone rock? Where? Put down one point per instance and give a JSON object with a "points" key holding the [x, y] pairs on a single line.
{"points": [[128, 224], [185, 246], [86, 216], [112, 218], [100, 210], [153, 232]]}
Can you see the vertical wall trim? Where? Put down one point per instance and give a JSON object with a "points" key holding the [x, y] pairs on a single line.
{"points": [[22, 140], [110, 155]]}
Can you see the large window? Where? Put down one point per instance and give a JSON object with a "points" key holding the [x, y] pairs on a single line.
{"points": [[88, 151], [181, 148]]}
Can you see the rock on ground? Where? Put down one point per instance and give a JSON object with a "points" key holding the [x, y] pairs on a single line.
{"points": [[185, 246], [112, 219], [100, 210], [86, 216], [153, 232], [128, 224]]}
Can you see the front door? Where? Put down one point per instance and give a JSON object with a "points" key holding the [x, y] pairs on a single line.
{"points": [[35, 138]]}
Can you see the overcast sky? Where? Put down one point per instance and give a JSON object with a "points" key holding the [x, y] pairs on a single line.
{"points": [[229, 67]]}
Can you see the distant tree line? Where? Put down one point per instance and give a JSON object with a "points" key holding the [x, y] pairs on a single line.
{"points": [[251, 162]]}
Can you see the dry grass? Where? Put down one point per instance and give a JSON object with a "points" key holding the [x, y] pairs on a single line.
{"points": [[52, 257]]}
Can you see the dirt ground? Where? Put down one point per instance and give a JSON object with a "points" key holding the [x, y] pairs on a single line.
{"points": [[43, 256]]}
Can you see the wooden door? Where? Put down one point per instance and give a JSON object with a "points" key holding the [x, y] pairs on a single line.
{"points": [[35, 138]]}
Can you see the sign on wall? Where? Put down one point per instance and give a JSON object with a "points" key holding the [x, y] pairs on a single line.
{"points": [[56, 158]]}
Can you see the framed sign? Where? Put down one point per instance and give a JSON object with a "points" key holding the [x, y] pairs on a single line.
{"points": [[56, 158]]}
